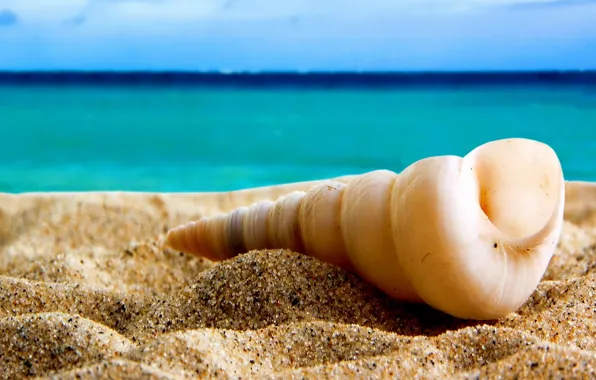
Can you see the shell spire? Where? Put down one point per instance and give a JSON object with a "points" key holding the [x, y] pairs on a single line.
{"points": [[470, 236]]}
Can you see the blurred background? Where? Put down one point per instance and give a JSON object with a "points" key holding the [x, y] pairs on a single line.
{"points": [[213, 95]]}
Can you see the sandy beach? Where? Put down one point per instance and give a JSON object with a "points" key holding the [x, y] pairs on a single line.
{"points": [[88, 291]]}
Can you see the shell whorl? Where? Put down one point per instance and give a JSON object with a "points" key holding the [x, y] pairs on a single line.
{"points": [[471, 236]]}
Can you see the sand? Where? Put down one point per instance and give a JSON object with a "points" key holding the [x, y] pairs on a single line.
{"points": [[88, 291]]}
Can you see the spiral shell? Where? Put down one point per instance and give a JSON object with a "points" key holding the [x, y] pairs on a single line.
{"points": [[470, 236]]}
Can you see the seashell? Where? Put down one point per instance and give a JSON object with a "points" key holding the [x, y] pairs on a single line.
{"points": [[471, 236]]}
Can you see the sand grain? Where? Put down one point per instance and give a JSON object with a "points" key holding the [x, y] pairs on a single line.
{"points": [[88, 291]]}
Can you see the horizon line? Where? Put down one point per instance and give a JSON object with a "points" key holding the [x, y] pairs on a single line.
{"points": [[294, 72], [298, 79]]}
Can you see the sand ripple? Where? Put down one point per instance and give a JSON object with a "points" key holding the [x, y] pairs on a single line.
{"points": [[87, 291]]}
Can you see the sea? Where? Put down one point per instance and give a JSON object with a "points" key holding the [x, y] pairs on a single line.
{"points": [[191, 132]]}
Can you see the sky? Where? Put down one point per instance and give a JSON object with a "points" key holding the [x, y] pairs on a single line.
{"points": [[265, 35]]}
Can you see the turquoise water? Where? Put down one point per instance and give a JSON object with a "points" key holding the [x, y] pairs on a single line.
{"points": [[160, 138]]}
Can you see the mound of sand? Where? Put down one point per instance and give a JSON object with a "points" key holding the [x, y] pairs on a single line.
{"points": [[88, 291]]}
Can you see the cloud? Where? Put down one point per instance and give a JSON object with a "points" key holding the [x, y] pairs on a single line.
{"points": [[154, 11], [330, 34], [8, 17], [550, 4], [297, 34], [146, 12], [77, 20], [36, 12]]}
